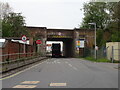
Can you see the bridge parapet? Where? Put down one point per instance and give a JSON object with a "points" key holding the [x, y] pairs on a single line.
{"points": [[60, 33], [68, 36]]}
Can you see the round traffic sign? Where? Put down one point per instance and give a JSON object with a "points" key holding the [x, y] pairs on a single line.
{"points": [[24, 38], [38, 42], [96, 47], [59, 33]]}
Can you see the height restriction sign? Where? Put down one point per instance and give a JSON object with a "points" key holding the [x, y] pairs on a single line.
{"points": [[24, 38]]}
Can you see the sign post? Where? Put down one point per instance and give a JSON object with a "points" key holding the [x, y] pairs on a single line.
{"points": [[38, 42], [24, 39], [96, 48]]}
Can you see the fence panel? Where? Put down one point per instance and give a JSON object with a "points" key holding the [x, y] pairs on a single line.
{"points": [[100, 53]]}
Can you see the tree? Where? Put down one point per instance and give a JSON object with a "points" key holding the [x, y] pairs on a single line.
{"points": [[5, 9], [13, 25], [95, 12], [107, 17], [113, 26]]}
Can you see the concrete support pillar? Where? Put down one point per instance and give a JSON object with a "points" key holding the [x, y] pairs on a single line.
{"points": [[68, 48], [64, 49], [42, 47], [74, 48], [76, 37]]}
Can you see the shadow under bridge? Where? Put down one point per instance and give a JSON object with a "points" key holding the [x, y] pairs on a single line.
{"points": [[68, 46]]}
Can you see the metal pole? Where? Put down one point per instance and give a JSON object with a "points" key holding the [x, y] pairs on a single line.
{"points": [[24, 47], [95, 40], [112, 54]]}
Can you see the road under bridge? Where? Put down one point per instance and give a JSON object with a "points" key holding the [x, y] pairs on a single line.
{"points": [[69, 37]]}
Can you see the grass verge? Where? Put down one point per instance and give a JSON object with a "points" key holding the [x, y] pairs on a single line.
{"points": [[97, 60]]}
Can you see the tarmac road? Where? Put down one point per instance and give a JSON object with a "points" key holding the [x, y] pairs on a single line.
{"points": [[65, 73]]}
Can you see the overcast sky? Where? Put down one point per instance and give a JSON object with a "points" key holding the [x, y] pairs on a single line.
{"points": [[50, 13]]}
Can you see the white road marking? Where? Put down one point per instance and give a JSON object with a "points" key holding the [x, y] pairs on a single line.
{"points": [[75, 68], [70, 65], [54, 62], [58, 62], [30, 82], [58, 84], [24, 86]]}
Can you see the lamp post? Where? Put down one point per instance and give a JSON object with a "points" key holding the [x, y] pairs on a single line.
{"points": [[95, 37]]}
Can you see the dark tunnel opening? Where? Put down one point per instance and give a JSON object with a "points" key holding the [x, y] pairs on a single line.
{"points": [[68, 46]]}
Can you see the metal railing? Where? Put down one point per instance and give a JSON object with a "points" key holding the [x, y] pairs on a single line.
{"points": [[101, 53], [12, 63], [13, 56]]}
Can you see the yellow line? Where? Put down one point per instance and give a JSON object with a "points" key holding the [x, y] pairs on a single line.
{"points": [[21, 71]]}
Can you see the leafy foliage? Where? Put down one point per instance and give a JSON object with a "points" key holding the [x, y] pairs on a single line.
{"points": [[5, 9], [95, 12], [106, 15], [13, 25]]}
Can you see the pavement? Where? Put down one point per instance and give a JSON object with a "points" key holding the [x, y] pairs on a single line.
{"points": [[10, 72], [65, 73]]}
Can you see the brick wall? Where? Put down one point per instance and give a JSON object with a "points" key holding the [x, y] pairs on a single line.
{"points": [[15, 47]]}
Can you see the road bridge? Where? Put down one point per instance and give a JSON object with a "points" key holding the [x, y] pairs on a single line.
{"points": [[67, 36]]}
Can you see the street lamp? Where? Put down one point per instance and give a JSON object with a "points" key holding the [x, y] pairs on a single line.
{"points": [[95, 37]]}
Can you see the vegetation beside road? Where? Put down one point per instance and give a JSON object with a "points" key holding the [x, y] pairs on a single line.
{"points": [[106, 15], [99, 60], [13, 24]]}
